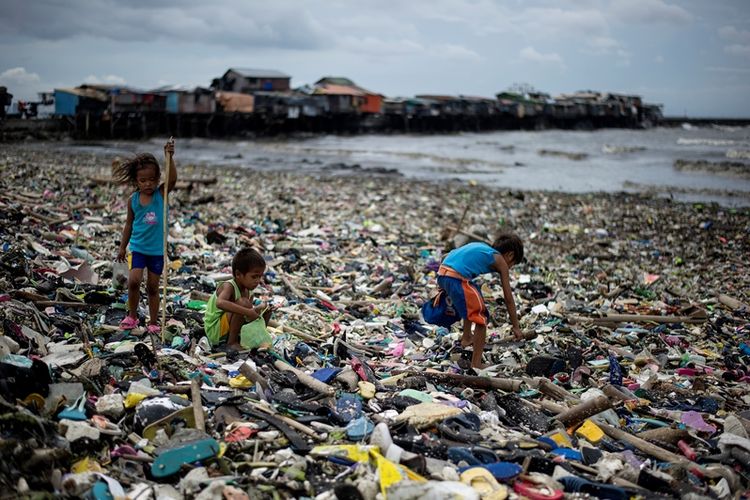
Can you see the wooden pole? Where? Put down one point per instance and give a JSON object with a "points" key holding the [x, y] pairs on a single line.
{"points": [[195, 395], [165, 271], [574, 416], [644, 446], [484, 383], [306, 379]]}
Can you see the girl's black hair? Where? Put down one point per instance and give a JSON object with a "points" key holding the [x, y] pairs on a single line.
{"points": [[509, 242], [247, 259], [125, 172]]}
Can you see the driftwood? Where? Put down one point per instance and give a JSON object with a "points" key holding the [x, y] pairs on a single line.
{"points": [[643, 445], [635, 318], [551, 390], [584, 410], [195, 391], [484, 383], [732, 303], [664, 435], [289, 421], [306, 379], [256, 377], [615, 393], [458, 230]]}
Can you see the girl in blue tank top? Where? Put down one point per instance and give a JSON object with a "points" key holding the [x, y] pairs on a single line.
{"points": [[144, 230]]}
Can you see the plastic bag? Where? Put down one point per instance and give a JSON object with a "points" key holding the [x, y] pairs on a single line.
{"points": [[120, 273], [254, 335]]}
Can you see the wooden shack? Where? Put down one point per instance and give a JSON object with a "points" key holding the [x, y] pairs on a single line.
{"points": [[249, 80]]}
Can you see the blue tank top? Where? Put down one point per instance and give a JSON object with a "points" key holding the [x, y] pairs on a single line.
{"points": [[148, 227], [471, 260]]}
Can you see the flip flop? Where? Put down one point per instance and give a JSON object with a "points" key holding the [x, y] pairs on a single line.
{"points": [[76, 411], [502, 471], [599, 490], [128, 323], [484, 483], [153, 329]]}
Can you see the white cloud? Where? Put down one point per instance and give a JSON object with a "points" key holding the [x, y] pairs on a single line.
{"points": [[732, 34], [533, 55], [649, 12], [371, 45], [105, 80], [22, 84], [451, 51], [738, 50]]}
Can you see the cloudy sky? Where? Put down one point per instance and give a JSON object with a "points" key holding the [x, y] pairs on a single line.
{"points": [[693, 56]]}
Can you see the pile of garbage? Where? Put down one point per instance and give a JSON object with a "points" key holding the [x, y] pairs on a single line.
{"points": [[633, 379]]}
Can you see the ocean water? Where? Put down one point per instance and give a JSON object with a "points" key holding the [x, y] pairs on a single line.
{"points": [[571, 161]]}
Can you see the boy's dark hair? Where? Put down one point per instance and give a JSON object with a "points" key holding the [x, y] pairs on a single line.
{"points": [[509, 242], [126, 172], [247, 259]]}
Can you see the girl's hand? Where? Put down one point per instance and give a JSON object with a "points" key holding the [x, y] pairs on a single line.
{"points": [[169, 147]]}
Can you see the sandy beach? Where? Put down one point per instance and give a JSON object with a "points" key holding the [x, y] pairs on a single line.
{"points": [[357, 254]]}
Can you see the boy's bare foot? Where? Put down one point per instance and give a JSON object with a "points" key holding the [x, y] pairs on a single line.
{"points": [[466, 341], [234, 347], [480, 366]]}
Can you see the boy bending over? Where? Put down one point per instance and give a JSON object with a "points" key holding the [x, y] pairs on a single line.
{"points": [[455, 276]]}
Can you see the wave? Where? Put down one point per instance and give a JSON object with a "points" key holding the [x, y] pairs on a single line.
{"points": [[684, 141], [738, 154], [725, 168], [564, 154], [612, 150]]}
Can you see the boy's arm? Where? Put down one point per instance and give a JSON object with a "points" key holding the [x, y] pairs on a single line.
{"points": [[172, 180], [225, 302], [502, 267], [127, 230]]}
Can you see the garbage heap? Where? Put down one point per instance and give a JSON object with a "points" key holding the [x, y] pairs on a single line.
{"points": [[631, 381]]}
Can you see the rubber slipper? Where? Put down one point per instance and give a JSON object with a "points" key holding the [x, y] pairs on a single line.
{"points": [[599, 490], [128, 323], [456, 432], [359, 428], [536, 492], [474, 456], [153, 329], [76, 411], [502, 471], [484, 483]]}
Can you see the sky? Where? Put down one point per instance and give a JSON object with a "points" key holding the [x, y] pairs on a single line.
{"points": [[692, 56]]}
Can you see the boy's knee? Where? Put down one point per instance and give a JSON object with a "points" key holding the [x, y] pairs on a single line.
{"points": [[133, 284], [245, 302], [152, 288]]}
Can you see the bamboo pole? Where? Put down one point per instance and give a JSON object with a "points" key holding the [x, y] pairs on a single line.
{"points": [[165, 271]]}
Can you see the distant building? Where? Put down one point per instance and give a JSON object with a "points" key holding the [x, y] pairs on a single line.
{"points": [[247, 80], [182, 99], [346, 96], [71, 101]]}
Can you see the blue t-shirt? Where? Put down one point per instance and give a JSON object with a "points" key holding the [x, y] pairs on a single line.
{"points": [[471, 260], [147, 236]]}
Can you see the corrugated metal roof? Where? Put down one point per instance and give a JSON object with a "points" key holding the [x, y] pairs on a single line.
{"points": [[259, 73], [85, 92], [330, 89], [335, 80]]}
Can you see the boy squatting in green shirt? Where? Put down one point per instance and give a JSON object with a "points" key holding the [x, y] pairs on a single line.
{"points": [[231, 307]]}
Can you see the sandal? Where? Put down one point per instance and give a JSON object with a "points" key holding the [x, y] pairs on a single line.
{"points": [[153, 329], [128, 323]]}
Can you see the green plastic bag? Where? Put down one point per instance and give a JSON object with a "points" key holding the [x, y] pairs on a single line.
{"points": [[254, 335]]}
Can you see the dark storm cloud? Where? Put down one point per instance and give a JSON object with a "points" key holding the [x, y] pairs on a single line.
{"points": [[236, 23]]}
